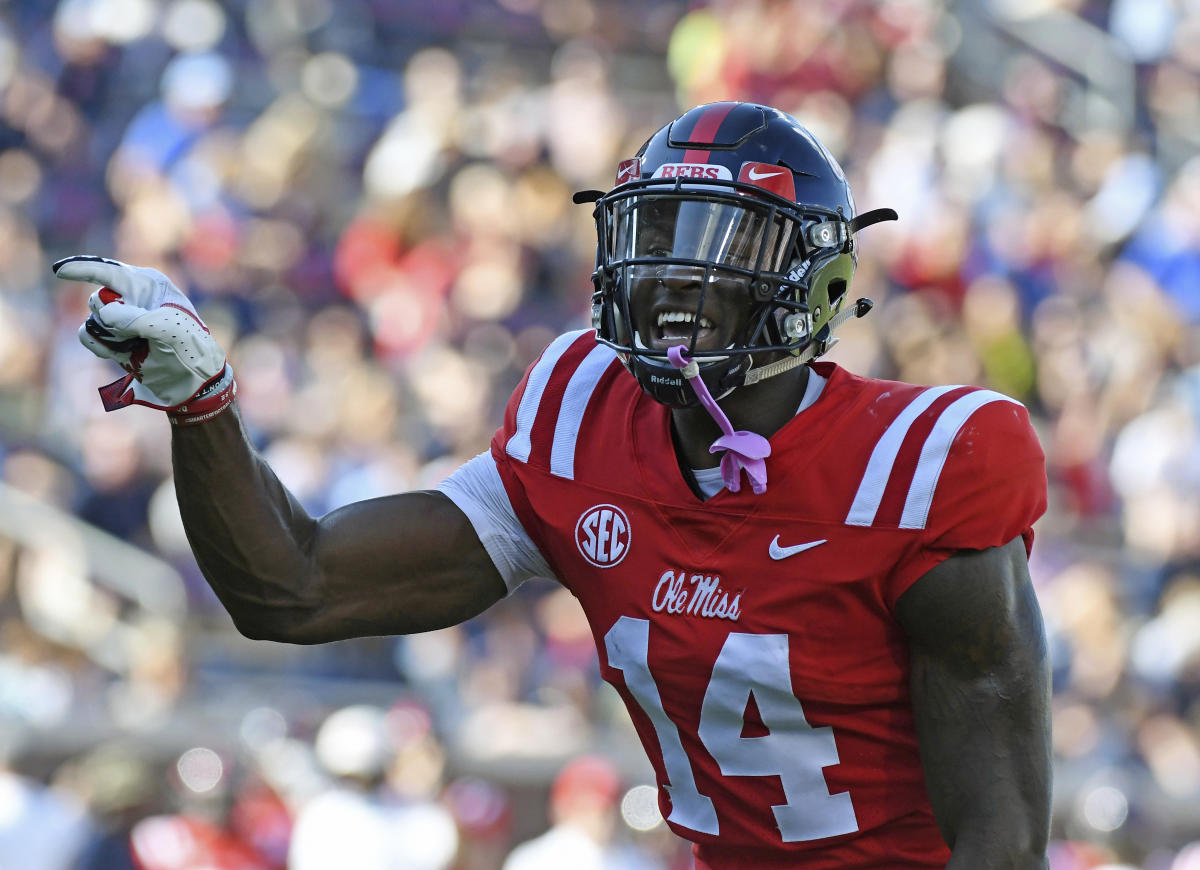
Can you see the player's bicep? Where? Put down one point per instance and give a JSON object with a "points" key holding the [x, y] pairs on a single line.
{"points": [[420, 560], [974, 609], [397, 565]]}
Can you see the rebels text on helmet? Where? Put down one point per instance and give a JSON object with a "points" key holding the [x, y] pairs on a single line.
{"points": [[693, 170]]}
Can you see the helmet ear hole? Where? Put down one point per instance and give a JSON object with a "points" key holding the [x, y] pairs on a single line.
{"points": [[837, 289]]}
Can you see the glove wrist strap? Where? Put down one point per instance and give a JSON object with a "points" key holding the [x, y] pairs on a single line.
{"points": [[213, 398]]}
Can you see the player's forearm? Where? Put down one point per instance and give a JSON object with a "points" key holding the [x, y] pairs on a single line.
{"points": [[985, 747], [1006, 829], [251, 538], [989, 851]]}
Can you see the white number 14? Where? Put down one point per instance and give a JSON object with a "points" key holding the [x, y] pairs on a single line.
{"points": [[793, 750]]}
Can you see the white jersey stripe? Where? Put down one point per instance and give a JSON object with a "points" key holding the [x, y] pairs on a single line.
{"points": [[575, 401], [883, 457], [935, 451], [519, 445]]}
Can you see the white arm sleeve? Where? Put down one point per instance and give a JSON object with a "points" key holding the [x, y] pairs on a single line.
{"points": [[476, 487]]}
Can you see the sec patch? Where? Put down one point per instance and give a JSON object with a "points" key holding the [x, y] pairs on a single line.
{"points": [[603, 535]]}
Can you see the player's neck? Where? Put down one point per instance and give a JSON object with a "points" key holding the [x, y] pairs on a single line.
{"points": [[763, 408]]}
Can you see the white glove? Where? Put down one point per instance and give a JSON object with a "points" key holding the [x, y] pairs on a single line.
{"points": [[143, 322]]}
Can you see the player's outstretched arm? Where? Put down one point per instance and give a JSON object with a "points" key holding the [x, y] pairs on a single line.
{"points": [[395, 565], [401, 564], [981, 695]]}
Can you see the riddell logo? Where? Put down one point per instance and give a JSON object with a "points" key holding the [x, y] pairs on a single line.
{"points": [[692, 170], [602, 535], [800, 271]]}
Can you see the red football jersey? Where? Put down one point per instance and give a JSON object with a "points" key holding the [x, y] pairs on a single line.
{"points": [[752, 637]]}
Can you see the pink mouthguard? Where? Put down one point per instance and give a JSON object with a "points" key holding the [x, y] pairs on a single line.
{"points": [[743, 450]]}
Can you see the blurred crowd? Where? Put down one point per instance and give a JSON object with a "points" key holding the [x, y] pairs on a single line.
{"points": [[369, 201]]}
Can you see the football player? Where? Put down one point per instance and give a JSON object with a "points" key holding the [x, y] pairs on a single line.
{"points": [[809, 587]]}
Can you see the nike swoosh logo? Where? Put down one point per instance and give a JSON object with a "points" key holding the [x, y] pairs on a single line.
{"points": [[755, 175], [777, 552]]}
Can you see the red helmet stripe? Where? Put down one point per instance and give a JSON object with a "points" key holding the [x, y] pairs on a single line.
{"points": [[706, 130]]}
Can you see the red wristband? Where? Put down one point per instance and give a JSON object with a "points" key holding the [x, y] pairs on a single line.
{"points": [[208, 403]]}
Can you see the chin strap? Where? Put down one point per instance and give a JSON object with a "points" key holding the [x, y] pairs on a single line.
{"points": [[742, 449]]}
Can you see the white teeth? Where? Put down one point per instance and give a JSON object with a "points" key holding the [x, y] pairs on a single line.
{"points": [[682, 317], [641, 345]]}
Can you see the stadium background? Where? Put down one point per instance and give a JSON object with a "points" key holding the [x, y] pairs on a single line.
{"points": [[370, 203]]}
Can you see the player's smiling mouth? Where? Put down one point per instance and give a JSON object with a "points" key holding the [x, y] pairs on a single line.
{"points": [[672, 326], [668, 312]]}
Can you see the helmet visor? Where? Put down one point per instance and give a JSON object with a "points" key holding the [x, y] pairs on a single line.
{"points": [[745, 236]]}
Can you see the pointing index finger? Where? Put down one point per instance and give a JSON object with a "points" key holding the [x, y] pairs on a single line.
{"points": [[95, 270]]}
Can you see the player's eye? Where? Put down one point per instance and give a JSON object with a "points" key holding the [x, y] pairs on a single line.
{"points": [[655, 244]]}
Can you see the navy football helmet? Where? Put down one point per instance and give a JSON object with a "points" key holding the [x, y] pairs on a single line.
{"points": [[735, 198]]}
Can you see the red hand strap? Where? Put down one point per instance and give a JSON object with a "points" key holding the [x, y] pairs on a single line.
{"points": [[215, 397]]}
